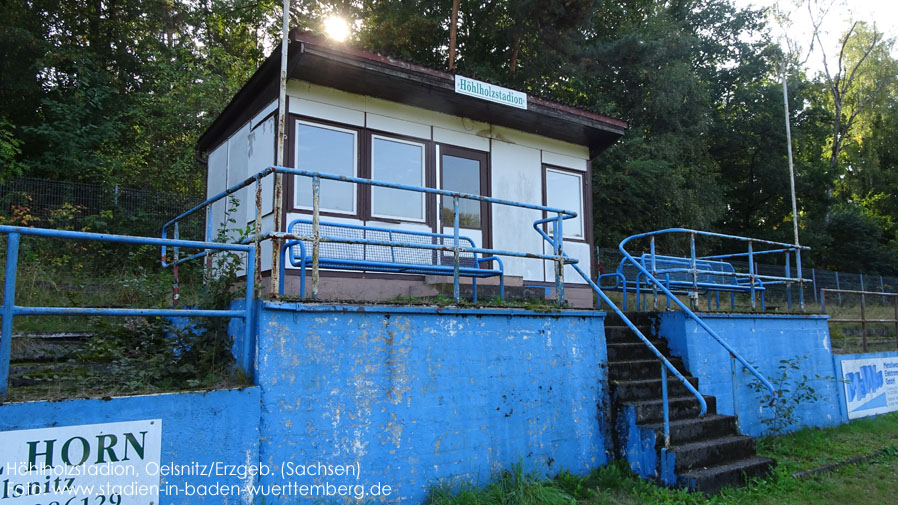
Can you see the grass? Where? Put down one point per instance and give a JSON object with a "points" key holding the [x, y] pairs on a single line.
{"points": [[871, 481]]}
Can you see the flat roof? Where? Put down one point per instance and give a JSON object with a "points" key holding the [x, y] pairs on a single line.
{"points": [[320, 61]]}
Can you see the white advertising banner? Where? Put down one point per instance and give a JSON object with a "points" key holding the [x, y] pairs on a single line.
{"points": [[96, 464], [871, 386]]}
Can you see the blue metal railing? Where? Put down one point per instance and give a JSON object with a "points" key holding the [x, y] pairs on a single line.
{"points": [[755, 281], [666, 365], [559, 216], [10, 309]]}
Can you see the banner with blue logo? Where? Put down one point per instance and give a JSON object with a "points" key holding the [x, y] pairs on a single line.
{"points": [[871, 385]]}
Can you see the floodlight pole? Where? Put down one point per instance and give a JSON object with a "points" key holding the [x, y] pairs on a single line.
{"points": [[789, 150], [279, 160]]}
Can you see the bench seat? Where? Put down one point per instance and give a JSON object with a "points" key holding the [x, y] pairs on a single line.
{"points": [[394, 253]]}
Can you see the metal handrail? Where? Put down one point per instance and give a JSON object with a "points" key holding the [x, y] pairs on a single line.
{"points": [[686, 309], [10, 309], [257, 237], [665, 363]]}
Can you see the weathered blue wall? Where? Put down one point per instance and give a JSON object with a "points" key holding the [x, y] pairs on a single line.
{"points": [[197, 427], [763, 340], [417, 396]]}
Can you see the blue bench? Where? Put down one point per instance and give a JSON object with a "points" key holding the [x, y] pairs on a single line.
{"points": [[398, 256], [675, 274]]}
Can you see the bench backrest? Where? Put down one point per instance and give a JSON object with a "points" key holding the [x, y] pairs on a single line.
{"points": [[664, 265], [379, 253]]}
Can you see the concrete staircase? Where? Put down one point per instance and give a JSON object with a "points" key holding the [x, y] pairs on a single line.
{"points": [[706, 453]]}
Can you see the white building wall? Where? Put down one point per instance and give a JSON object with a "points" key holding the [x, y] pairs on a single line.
{"points": [[516, 163]]}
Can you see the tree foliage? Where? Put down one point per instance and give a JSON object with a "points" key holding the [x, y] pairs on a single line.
{"points": [[118, 92]]}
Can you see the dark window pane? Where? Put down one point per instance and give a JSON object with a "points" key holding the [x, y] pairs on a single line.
{"points": [[402, 163], [462, 175], [320, 149]]}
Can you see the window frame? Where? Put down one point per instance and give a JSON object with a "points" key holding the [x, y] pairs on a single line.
{"points": [[358, 161], [583, 235], [369, 211], [483, 157]]}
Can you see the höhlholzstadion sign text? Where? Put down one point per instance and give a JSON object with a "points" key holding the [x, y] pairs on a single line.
{"points": [[491, 92]]}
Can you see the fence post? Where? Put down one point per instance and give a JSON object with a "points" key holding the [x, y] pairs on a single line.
{"points": [[257, 260], [9, 299], [455, 254], [882, 289], [863, 324], [814, 281], [175, 271], [316, 233], [693, 296], [751, 273], [559, 263], [863, 297], [788, 284], [838, 288], [654, 264], [800, 279]]}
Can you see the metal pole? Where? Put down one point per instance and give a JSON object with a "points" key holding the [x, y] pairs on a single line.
{"points": [[789, 149], [863, 324], [882, 289], [257, 261], [788, 284], [316, 234], [455, 242], [654, 265], [751, 274], [559, 263], [665, 406], [814, 281], [838, 288], [693, 297], [9, 300], [279, 159], [800, 278], [175, 287]]}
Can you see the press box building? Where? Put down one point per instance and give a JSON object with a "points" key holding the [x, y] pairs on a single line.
{"points": [[354, 113]]}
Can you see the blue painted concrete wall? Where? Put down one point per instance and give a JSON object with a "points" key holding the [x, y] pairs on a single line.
{"points": [[417, 396], [763, 340], [197, 427]]}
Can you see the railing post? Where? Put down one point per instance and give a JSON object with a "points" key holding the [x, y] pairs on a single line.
{"points": [[654, 270], [249, 318], [316, 233], [751, 273], [9, 300], [800, 279], [175, 287], [814, 283], [788, 284], [455, 254], [693, 297], [665, 406], [257, 232], [559, 263], [210, 230]]}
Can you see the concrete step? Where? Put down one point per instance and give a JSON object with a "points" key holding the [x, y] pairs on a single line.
{"points": [[641, 369], [681, 407], [731, 474], [693, 429], [628, 351], [640, 319], [623, 334], [650, 389], [711, 452]]}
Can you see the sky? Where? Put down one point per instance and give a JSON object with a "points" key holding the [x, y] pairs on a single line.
{"points": [[883, 12]]}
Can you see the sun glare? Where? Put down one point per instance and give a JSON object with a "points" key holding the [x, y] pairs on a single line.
{"points": [[336, 28]]}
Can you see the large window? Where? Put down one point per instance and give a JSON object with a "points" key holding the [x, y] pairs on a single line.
{"points": [[564, 190], [402, 162], [331, 150]]}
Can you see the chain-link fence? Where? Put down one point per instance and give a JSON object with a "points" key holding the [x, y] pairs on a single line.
{"points": [[47, 203]]}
